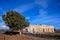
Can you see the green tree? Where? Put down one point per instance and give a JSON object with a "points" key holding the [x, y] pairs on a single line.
{"points": [[15, 21]]}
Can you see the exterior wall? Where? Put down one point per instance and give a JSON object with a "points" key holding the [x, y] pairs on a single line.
{"points": [[41, 28]]}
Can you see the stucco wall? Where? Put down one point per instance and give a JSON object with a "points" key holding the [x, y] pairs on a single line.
{"points": [[40, 28]]}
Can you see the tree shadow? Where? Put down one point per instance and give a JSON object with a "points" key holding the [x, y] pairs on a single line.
{"points": [[10, 33]]}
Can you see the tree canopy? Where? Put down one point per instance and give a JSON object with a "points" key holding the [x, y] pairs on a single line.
{"points": [[15, 20]]}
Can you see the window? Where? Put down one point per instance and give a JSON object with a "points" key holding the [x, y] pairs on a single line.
{"points": [[43, 30], [52, 29]]}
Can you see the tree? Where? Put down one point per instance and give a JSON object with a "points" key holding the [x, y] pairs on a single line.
{"points": [[15, 21]]}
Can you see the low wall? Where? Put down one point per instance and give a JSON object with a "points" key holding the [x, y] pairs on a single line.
{"points": [[43, 35]]}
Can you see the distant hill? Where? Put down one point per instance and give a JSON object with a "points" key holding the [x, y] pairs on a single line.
{"points": [[2, 31], [58, 30]]}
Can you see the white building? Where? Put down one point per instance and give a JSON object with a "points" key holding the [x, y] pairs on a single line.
{"points": [[39, 28]]}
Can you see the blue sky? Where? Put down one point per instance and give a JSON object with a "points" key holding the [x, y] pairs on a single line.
{"points": [[36, 11]]}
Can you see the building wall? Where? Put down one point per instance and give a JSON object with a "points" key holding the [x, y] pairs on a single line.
{"points": [[41, 28]]}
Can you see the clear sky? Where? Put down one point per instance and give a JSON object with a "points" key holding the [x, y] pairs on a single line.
{"points": [[36, 11]]}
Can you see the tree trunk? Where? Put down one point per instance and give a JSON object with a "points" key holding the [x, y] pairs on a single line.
{"points": [[20, 31]]}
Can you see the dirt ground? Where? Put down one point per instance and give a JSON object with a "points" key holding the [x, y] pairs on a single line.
{"points": [[21, 37]]}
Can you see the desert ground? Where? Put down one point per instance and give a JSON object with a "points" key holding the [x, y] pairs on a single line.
{"points": [[21, 37]]}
